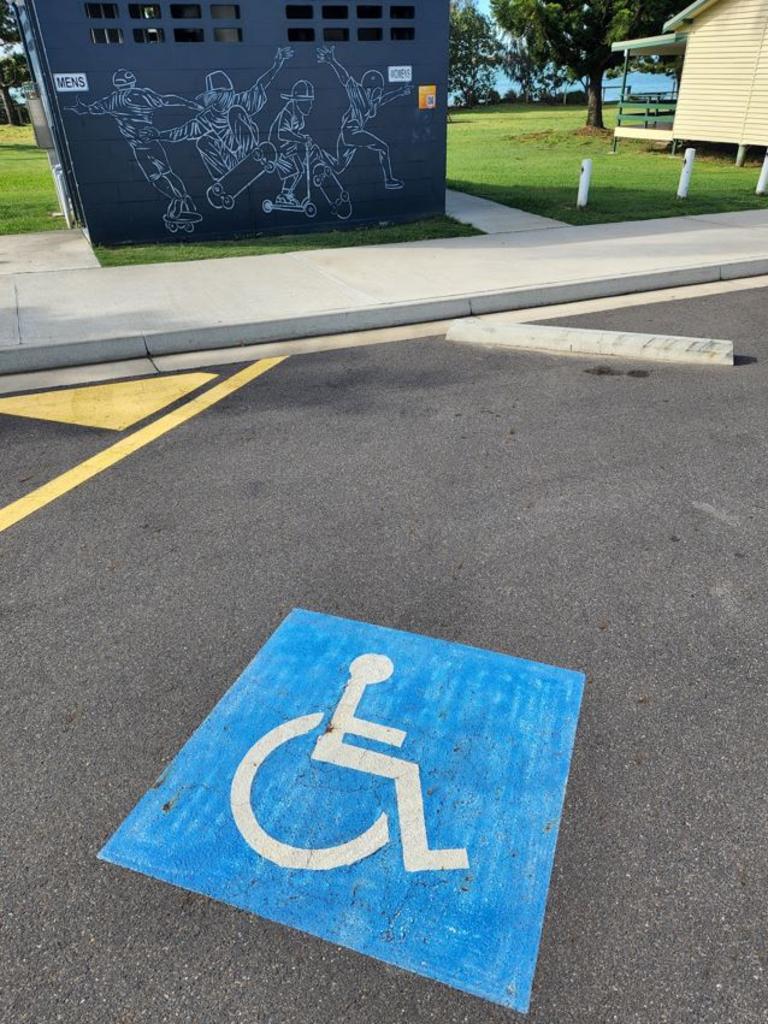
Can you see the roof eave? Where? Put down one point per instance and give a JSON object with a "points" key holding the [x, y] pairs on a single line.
{"points": [[687, 15]]}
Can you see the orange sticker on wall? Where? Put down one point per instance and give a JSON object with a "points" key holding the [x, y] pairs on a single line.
{"points": [[427, 97]]}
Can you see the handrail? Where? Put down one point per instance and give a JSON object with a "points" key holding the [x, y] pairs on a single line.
{"points": [[650, 109]]}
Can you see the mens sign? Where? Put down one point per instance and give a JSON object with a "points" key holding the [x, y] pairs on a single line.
{"points": [[71, 81]]}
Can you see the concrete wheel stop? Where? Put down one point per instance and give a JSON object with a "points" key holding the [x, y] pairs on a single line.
{"points": [[660, 348]]}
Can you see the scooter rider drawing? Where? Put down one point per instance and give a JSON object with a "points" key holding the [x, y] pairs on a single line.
{"points": [[366, 98], [133, 108], [294, 146]]}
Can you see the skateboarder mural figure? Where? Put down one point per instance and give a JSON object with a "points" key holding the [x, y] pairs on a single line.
{"points": [[366, 98], [226, 134], [300, 163], [134, 108]]}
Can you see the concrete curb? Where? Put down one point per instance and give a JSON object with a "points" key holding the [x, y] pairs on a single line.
{"points": [[577, 291], [21, 357], [290, 328], [30, 358], [578, 341]]}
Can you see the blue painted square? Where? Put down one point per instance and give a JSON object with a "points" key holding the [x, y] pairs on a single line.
{"points": [[430, 850]]}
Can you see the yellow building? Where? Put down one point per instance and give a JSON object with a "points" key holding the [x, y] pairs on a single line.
{"points": [[723, 94]]}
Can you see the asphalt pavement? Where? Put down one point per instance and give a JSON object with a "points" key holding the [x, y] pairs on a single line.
{"points": [[606, 517]]}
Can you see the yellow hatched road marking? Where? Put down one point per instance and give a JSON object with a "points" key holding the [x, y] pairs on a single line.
{"points": [[114, 406], [44, 495]]}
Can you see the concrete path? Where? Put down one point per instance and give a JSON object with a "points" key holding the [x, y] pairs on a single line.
{"points": [[71, 317], [493, 218], [45, 251]]}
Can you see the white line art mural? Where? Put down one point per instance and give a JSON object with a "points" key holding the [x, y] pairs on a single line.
{"points": [[222, 126], [301, 163], [366, 98], [133, 108], [226, 134]]}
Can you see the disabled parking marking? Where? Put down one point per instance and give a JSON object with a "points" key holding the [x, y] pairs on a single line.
{"points": [[72, 478], [392, 793], [366, 670], [114, 406]]}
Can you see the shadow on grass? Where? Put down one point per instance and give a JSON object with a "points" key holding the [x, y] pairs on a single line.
{"points": [[608, 203], [19, 147], [429, 229]]}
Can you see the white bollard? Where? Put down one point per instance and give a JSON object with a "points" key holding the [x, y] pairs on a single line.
{"points": [[685, 174], [762, 185], [584, 182]]}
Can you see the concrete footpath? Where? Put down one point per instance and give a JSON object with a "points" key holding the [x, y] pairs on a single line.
{"points": [[90, 314]]}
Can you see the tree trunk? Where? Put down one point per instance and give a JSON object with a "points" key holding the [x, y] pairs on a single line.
{"points": [[595, 100], [9, 106]]}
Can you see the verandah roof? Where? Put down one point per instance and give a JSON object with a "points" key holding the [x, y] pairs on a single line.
{"points": [[653, 46]]}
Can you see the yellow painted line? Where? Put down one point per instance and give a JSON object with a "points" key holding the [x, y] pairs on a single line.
{"points": [[42, 496]]}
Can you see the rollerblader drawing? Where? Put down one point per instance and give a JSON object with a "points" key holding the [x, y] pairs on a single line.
{"points": [[366, 98], [133, 108]]}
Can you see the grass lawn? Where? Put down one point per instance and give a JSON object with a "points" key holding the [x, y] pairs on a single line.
{"points": [[418, 231], [530, 157], [27, 195]]}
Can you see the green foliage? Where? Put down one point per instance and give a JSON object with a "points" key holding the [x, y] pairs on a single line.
{"points": [[13, 66], [577, 36], [538, 82], [475, 54], [9, 30], [13, 73]]}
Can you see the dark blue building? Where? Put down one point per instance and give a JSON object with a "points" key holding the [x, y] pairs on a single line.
{"points": [[219, 120]]}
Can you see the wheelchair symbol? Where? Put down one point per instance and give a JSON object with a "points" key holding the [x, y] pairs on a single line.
{"points": [[330, 748]]}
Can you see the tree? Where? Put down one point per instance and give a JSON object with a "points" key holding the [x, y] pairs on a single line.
{"points": [[9, 29], [13, 74], [576, 35], [13, 66], [537, 82], [475, 54]]}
